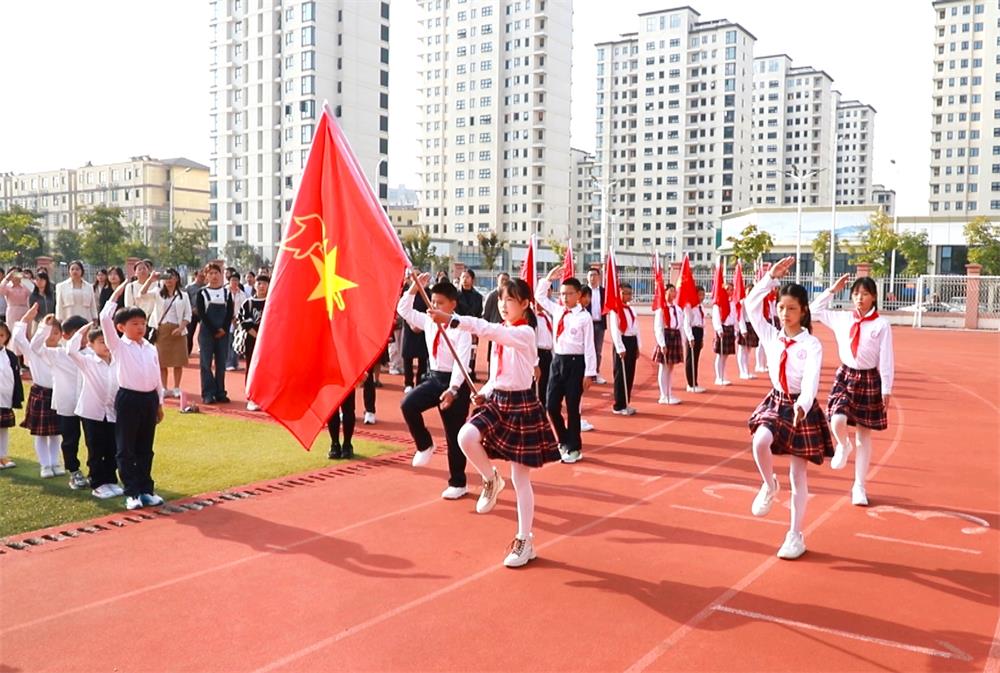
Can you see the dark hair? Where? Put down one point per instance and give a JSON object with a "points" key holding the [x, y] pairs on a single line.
{"points": [[585, 291], [4, 328], [800, 294], [118, 271], [262, 278], [213, 267], [518, 289], [79, 263], [125, 314], [73, 323], [96, 282], [94, 334], [573, 283], [172, 272], [624, 286], [446, 290], [699, 288], [669, 286], [43, 275], [55, 323], [869, 286], [472, 274], [597, 271], [148, 263]]}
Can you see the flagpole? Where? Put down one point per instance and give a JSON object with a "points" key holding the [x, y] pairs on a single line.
{"points": [[447, 341]]}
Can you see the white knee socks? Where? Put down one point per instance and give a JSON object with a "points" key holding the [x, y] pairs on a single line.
{"points": [[762, 439], [720, 367], [47, 449], [471, 443], [4, 442], [800, 492], [862, 455], [665, 378], [520, 475], [838, 426], [761, 357], [54, 449], [743, 360]]}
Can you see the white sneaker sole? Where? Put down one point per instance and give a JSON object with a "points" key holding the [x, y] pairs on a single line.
{"points": [[520, 561], [490, 504], [791, 554], [422, 458]]}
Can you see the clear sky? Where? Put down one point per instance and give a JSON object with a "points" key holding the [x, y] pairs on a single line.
{"points": [[101, 80]]}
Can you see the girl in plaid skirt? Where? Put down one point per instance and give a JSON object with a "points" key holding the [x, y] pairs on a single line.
{"points": [[789, 420], [724, 324], [510, 423], [667, 323], [11, 393], [861, 390], [39, 418]]}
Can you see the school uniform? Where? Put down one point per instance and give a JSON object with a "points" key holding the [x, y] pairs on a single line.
{"points": [[574, 357], [725, 330], [445, 374], [239, 296], [67, 382], [96, 408], [39, 418], [215, 306], [866, 374], [11, 392], [667, 324], [414, 347], [512, 423], [137, 402], [794, 367], [544, 339], [747, 338], [627, 343], [694, 331]]}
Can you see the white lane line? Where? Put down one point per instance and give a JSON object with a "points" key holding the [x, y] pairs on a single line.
{"points": [[950, 651], [619, 474], [915, 543], [744, 517]]}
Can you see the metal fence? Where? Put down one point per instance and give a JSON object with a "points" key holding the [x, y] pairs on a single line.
{"points": [[950, 294]]}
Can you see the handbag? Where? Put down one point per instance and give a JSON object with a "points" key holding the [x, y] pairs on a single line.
{"points": [[154, 332]]}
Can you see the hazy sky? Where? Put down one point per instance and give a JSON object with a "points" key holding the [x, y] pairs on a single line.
{"points": [[102, 80]]}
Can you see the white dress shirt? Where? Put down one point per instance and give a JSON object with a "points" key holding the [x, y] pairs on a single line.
{"points": [[677, 321], [67, 382], [717, 321], [545, 331], [41, 371], [596, 302], [72, 301], [172, 310], [578, 329], [137, 362], [444, 361], [694, 316], [631, 329], [100, 383], [874, 347], [520, 353], [6, 380], [134, 296], [805, 356]]}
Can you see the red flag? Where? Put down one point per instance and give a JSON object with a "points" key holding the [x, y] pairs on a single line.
{"points": [[613, 298], [739, 290], [687, 291], [720, 297], [568, 270], [659, 289], [528, 274], [333, 291]]}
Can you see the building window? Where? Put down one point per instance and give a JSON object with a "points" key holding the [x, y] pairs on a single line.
{"points": [[308, 85], [308, 11], [308, 60], [385, 10], [308, 36], [306, 134]]}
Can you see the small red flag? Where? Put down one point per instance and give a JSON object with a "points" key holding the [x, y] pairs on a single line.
{"points": [[568, 270], [613, 300], [659, 289], [528, 274], [739, 290], [687, 290], [720, 297], [333, 291]]}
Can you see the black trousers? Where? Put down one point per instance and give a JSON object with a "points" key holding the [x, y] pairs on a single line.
{"points": [[544, 367], [625, 371], [599, 329], [135, 431], [408, 379], [348, 409], [212, 359], [566, 382], [427, 396], [69, 428], [101, 450], [195, 319], [248, 347], [692, 354]]}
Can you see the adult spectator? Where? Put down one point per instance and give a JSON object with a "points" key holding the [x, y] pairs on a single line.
{"points": [[215, 306], [596, 313], [100, 284], [192, 289], [170, 318], [142, 291], [44, 295], [116, 276], [239, 296], [74, 296], [470, 302], [491, 310]]}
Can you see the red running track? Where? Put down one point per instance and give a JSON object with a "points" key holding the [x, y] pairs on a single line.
{"points": [[649, 559]]}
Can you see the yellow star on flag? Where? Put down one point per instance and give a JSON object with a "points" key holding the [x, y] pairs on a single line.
{"points": [[331, 286]]}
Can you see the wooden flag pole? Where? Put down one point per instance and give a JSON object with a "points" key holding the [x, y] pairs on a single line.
{"points": [[444, 333]]}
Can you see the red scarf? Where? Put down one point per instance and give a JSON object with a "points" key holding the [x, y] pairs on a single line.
{"points": [[631, 315], [437, 342], [518, 323], [548, 321], [562, 324], [856, 330], [782, 374]]}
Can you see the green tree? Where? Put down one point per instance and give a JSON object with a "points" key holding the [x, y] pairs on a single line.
{"points": [[983, 238], [419, 249], [490, 247], [21, 239], [184, 246], [134, 245], [751, 244], [241, 255], [68, 245], [558, 247], [103, 239], [913, 247], [876, 243], [821, 248]]}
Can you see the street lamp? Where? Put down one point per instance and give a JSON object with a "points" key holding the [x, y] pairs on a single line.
{"points": [[895, 226], [800, 177], [833, 204], [605, 186]]}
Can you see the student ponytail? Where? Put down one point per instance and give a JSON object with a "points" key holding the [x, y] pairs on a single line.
{"points": [[517, 288], [798, 293]]}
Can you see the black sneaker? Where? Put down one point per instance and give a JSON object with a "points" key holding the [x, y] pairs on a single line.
{"points": [[222, 399], [347, 452], [208, 400], [336, 453]]}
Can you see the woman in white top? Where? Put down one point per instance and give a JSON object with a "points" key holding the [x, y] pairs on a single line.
{"points": [[170, 319], [75, 296], [143, 291], [239, 296]]}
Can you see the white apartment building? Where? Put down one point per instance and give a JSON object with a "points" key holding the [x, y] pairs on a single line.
{"points": [[494, 106], [273, 64], [884, 197], [674, 131], [855, 137], [965, 117], [583, 234]]}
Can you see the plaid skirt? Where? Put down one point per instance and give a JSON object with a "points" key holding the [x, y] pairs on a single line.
{"points": [[39, 417], [750, 339], [6, 418], [726, 344], [673, 352], [857, 393], [514, 427], [810, 439]]}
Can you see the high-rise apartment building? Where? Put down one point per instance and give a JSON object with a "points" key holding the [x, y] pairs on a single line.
{"points": [[674, 130], [965, 116], [494, 104], [855, 142], [273, 64], [581, 205]]}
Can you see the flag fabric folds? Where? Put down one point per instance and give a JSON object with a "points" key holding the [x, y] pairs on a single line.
{"points": [[720, 297], [528, 271], [613, 298], [659, 289], [333, 291], [739, 290], [687, 290], [568, 270]]}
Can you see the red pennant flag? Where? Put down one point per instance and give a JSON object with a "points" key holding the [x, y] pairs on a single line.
{"points": [[659, 289], [739, 290], [720, 297], [687, 290], [528, 274], [568, 270], [333, 291], [613, 300]]}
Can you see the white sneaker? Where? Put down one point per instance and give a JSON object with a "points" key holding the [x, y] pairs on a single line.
{"points": [[664, 400], [698, 389], [793, 547], [859, 496], [407, 389], [422, 458], [103, 492], [673, 400], [719, 382], [585, 426], [761, 370], [520, 552], [765, 497], [841, 454], [726, 382], [46, 472], [133, 503], [689, 389], [58, 470], [454, 492], [600, 380], [620, 412], [572, 456], [150, 500], [252, 406], [177, 393], [745, 377], [491, 491], [116, 489], [630, 411], [395, 372], [369, 418]]}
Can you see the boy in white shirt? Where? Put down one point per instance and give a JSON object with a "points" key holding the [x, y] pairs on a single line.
{"points": [[627, 343], [66, 385]]}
